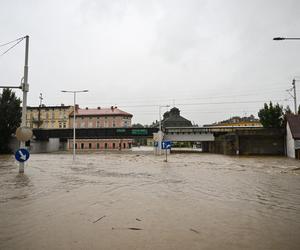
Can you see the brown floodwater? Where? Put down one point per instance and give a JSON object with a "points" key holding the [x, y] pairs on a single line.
{"points": [[137, 201]]}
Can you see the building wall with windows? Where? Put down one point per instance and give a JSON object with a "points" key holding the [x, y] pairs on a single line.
{"points": [[101, 144], [48, 116], [100, 118]]}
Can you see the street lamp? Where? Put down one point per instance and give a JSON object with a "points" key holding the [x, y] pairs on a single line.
{"points": [[74, 115], [286, 38], [294, 81], [160, 127]]}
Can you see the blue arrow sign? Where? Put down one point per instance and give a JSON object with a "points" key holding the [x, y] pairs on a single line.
{"points": [[166, 144], [22, 155]]}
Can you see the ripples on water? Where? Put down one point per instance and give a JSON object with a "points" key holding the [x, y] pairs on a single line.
{"points": [[244, 198]]}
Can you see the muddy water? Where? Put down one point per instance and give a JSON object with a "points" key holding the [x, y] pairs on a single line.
{"points": [[137, 201]]}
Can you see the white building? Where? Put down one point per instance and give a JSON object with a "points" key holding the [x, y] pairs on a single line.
{"points": [[293, 136]]}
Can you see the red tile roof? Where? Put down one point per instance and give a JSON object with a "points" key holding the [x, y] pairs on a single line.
{"points": [[101, 112], [294, 123]]}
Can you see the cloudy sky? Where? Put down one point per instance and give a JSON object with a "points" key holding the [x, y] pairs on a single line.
{"points": [[212, 59]]}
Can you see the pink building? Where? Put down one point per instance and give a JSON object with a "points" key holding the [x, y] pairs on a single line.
{"points": [[101, 118]]}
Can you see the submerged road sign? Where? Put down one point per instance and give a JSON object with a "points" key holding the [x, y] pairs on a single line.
{"points": [[22, 155], [166, 144]]}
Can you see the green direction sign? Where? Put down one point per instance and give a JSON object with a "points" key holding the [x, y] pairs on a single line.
{"points": [[139, 132], [121, 130]]}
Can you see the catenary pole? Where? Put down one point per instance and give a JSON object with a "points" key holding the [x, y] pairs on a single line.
{"points": [[295, 96], [25, 89]]}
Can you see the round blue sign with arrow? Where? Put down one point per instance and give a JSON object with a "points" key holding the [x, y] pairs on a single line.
{"points": [[22, 155]]}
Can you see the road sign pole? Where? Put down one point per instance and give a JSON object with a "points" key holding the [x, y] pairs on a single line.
{"points": [[25, 89], [166, 155]]}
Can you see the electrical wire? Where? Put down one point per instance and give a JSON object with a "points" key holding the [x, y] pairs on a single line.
{"points": [[4, 44], [12, 46]]}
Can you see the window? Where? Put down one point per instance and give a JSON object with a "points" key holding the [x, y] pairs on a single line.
{"points": [[90, 145], [98, 146], [114, 145], [82, 145], [75, 145], [124, 145], [105, 145]]}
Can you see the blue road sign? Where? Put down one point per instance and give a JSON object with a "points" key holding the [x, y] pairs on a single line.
{"points": [[166, 144], [22, 155]]}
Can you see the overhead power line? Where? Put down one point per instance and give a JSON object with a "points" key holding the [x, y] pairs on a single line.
{"points": [[18, 41], [4, 44]]}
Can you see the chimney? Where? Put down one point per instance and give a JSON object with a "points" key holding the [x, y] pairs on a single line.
{"points": [[76, 107], [98, 108], [112, 108], [86, 108]]}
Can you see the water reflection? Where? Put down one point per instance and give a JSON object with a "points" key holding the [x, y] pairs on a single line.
{"points": [[22, 180]]}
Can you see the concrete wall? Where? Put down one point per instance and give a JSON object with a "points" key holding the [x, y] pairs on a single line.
{"points": [[53, 145], [14, 144], [261, 145], [263, 142], [189, 137]]}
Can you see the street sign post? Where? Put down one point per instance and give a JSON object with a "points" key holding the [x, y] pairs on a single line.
{"points": [[166, 145], [22, 155]]}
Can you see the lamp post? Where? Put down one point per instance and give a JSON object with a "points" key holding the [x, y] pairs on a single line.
{"points": [[160, 127], [294, 81], [74, 116], [286, 38]]}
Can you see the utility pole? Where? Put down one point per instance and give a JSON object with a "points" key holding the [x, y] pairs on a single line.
{"points": [[39, 116], [295, 96], [25, 89]]}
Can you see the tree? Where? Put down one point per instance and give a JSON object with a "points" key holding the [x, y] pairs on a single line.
{"points": [[271, 116], [10, 117], [137, 125]]}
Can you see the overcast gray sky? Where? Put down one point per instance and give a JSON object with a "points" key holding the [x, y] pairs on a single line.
{"points": [[213, 59]]}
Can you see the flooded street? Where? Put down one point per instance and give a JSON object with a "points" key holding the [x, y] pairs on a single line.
{"points": [[135, 200]]}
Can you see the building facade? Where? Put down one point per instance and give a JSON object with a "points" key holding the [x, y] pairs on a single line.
{"points": [[236, 121], [100, 118], [48, 116], [293, 136]]}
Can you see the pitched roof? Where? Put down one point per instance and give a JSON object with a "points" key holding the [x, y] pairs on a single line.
{"points": [[294, 123], [102, 112], [176, 121]]}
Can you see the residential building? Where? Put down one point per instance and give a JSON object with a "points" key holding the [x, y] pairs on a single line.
{"points": [[236, 121], [100, 118], [48, 117], [293, 136]]}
